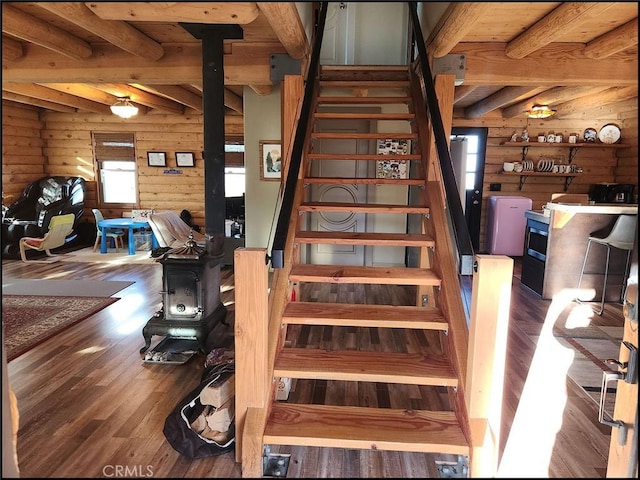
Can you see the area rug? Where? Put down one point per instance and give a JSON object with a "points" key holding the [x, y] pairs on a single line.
{"points": [[30, 320], [87, 255], [62, 288]]}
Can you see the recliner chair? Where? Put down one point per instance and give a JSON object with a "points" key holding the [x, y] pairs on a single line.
{"points": [[30, 215]]}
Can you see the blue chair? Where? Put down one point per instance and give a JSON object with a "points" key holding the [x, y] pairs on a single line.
{"points": [[115, 235]]}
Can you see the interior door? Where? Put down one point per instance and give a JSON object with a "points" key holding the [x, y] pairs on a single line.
{"points": [[471, 174], [339, 221], [623, 447]]}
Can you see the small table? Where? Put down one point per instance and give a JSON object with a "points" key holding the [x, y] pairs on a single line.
{"points": [[127, 223]]}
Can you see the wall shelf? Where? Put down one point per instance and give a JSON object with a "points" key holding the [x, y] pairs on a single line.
{"points": [[568, 177], [573, 147]]}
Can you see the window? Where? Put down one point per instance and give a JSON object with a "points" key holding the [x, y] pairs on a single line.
{"points": [[234, 171], [116, 161]]}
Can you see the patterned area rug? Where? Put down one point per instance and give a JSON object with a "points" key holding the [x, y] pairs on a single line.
{"points": [[30, 320]]}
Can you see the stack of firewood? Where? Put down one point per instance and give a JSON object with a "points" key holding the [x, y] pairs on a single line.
{"points": [[216, 420]]}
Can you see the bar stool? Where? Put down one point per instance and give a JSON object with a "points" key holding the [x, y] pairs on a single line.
{"points": [[621, 236]]}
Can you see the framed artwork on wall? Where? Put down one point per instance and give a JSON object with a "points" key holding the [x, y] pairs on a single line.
{"points": [[157, 159], [185, 159], [270, 160]]}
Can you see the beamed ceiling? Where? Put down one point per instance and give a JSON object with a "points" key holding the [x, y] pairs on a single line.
{"points": [[579, 57]]}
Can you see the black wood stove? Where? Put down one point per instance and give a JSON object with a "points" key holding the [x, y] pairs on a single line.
{"points": [[190, 296]]}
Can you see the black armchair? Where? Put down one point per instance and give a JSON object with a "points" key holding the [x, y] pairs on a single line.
{"points": [[31, 213]]}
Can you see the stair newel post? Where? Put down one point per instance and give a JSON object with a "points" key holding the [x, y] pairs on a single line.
{"points": [[251, 355], [489, 324]]}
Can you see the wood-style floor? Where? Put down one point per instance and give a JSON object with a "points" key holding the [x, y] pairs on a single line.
{"points": [[90, 407]]}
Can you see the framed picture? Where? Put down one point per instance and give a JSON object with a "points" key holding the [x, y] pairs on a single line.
{"points": [[157, 159], [270, 160], [185, 159]]}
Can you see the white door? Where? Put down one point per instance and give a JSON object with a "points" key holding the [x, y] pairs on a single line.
{"points": [[336, 48], [339, 221]]}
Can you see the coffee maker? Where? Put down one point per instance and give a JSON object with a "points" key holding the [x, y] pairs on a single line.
{"points": [[611, 193]]}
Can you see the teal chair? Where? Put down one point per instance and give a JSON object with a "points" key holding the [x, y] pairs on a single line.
{"points": [[116, 236]]}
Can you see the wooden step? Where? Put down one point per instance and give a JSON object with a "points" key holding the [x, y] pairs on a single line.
{"points": [[365, 366], [364, 72], [360, 315], [364, 83], [362, 116], [365, 238], [365, 428], [362, 136], [354, 274], [363, 181], [362, 156], [353, 100], [361, 207]]}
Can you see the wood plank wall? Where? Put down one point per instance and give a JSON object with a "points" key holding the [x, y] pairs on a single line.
{"points": [[68, 150], [23, 158], [600, 165]]}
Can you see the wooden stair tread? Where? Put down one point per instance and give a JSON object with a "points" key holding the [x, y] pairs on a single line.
{"points": [[365, 366], [365, 238], [361, 156], [361, 207], [356, 274], [363, 116], [365, 428], [360, 100], [364, 72], [362, 135], [365, 83], [359, 315], [366, 181]]}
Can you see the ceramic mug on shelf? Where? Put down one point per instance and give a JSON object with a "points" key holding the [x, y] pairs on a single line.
{"points": [[551, 138], [558, 139], [573, 138], [542, 138]]}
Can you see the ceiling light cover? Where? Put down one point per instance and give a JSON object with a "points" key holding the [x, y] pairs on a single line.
{"points": [[540, 111], [124, 108]]}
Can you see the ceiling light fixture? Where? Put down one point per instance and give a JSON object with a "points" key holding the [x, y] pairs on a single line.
{"points": [[124, 108], [540, 111]]}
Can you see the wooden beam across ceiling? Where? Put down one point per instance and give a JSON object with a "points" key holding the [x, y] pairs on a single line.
{"points": [[55, 96], [116, 32], [609, 95], [181, 64], [26, 27], [550, 66], [501, 97], [36, 102], [285, 22], [11, 49], [615, 41], [564, 18], [144, 98], [175, 93], [550, 97], [198, 12], [454, 24]]}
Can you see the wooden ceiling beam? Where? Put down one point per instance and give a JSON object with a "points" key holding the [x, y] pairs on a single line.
{"points": [[549, 97], [181, 64], [175, 93], [610, 95], [567, 16], [44, 93], [56, 107], [82, 90], [26, 27], [140, 96], [285, 22], [11, 49], [553, 65], [496, 100], [116, 32], [457, 20], [233, 101], [199, 12], [261, 89], [463, 91], [617, 40]]}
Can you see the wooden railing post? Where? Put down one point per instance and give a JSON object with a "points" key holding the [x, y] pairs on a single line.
{"points": [[490, 303], [251, 279]]}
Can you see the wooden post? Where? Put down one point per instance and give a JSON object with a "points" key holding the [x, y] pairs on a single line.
{"points": [[250, 332], [490, 303]]}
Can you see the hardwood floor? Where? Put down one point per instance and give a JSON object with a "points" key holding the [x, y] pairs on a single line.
{"points": [[89, 407]]}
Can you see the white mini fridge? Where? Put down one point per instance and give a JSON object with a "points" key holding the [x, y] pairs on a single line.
{"points": [[506, 224]]}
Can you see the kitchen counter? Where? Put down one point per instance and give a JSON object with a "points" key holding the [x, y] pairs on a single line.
{"points": [[555, 245]]}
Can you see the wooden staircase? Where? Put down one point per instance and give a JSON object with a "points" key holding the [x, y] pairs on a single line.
{"points": [[429, 351]]}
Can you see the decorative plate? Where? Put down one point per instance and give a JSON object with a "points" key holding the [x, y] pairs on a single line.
{"points": [[590, 135], [610, 133]]}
